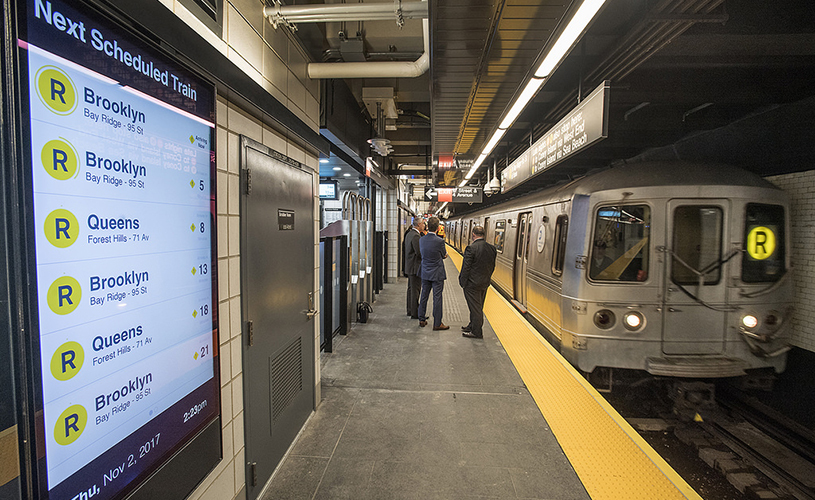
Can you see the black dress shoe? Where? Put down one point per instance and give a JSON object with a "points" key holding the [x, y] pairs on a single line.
{"points": [[466, 328], [471, 335], [423, 323], [442, 326]]}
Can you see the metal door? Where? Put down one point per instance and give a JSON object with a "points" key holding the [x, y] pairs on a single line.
{"points": [[695, 279], [521, 246], [277, 216]]}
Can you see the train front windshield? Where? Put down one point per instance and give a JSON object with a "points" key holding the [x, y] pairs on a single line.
{"points": [[620, 249], [764, 240]]}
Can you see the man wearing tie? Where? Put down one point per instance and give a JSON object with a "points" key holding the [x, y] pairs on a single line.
{"points": [[433, 274]]}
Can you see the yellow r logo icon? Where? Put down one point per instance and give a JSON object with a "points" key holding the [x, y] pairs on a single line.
{"points": [[70, 425], [67, 361], [61, 228], [59, 159], [56, 90], [760, 242], [64, 295]]}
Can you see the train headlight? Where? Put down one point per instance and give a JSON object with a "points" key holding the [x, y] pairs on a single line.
{"points": [[604, 319], [633, 320], [749, 321]]}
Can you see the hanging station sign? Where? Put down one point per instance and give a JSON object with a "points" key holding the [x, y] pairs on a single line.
{"points": [[466, 194], [582, 127], [122, 180]]}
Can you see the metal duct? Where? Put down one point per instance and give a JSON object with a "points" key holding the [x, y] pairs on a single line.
{"points": [[291, 14], [378, 69], [344, 12]]}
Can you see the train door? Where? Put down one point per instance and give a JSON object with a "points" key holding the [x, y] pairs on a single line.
{"points": [[695, 281], [521, 256]]}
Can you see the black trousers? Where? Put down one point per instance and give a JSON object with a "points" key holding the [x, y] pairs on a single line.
{"points": [[414, 288], [475, 303]]}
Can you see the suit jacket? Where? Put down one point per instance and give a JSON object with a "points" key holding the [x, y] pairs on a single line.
{"points": [[433, 251], [478, 265], [413, 254]]}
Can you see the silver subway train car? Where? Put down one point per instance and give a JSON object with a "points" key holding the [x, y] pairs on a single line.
{"points": [[676, 269]]}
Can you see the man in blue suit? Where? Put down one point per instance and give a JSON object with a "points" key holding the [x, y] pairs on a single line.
{"points": [[433, 274]]}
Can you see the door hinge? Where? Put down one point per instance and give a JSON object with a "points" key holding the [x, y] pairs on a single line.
{"points": [[250, 332], [580, 262], [253, 473], [248, 181]]}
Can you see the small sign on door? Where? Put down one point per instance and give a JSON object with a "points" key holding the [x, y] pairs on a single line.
{"points": [[285, 220]]}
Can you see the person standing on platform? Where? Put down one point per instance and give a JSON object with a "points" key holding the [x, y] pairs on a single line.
{"points": [[476, 271], [433, 274], [413, 266]]}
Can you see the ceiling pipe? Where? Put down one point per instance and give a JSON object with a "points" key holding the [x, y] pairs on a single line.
{"points": [[344, 12], [378, 69]]}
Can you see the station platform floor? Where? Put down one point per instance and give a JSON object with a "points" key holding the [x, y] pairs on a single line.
{"points": [[412, 413]]}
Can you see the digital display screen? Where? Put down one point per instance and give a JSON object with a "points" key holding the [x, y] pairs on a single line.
{"points": [[328, 190], [123, 179]]}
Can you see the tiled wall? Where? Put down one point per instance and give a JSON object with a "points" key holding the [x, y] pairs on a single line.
{"points": [[800, 187], [275, 61], [392, 222]]}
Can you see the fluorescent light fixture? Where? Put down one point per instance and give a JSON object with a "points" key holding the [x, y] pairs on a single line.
{"points": [[523, 99], [346, 175], [581, 19], [493, 141], [337, 169], [323, 160]]}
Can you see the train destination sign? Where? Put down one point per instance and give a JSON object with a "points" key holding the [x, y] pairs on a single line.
{"points": [[466, 194], [123, 178], [582, 127]]}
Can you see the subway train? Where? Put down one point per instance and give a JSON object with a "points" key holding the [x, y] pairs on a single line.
{"points": [[676, 269]]}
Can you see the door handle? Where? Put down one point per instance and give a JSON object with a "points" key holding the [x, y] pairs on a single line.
{"points": [[311, 310]]}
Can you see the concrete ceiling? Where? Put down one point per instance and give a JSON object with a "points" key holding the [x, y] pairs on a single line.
{"points": [[722, 80]]}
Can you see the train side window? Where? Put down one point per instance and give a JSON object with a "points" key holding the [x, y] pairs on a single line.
{"points": [[697, 244], [498, 240], [559, 250], [620, 250], [763, 259]]}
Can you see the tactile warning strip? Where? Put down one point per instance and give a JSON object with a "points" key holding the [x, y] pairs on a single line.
{"points": [[608, 455]]}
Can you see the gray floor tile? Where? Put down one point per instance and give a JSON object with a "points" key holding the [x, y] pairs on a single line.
{"points": [[411, 413], [297, 479], [556, 483]]}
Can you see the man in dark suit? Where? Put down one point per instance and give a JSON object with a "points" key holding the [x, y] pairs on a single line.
{"points": [[433, 274], [476, 270], [413, 266]]}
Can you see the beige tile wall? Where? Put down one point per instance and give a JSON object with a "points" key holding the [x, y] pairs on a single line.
{"points": [[274, 60], [800, 187]]}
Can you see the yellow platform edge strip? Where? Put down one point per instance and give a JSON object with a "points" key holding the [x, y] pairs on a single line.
{"points": [[611, 459]]}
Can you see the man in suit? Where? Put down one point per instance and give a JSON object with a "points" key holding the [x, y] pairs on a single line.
{"points": [[413, 266], [476, 270], [433, 274]]}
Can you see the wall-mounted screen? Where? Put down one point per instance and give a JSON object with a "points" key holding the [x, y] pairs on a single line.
{"points": [[328, 190], [123, 189]]}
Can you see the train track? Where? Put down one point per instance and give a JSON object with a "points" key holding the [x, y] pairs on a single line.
{"points": [[779, 448]]}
